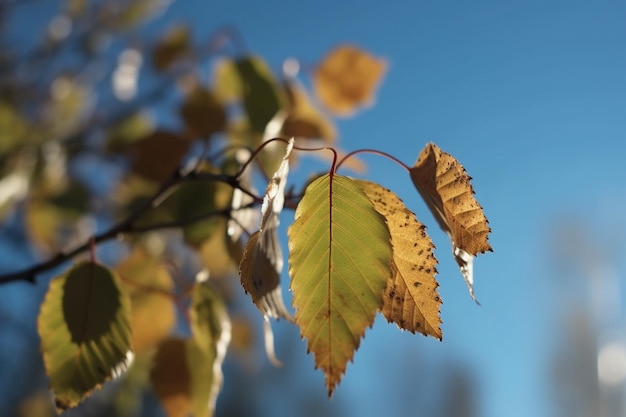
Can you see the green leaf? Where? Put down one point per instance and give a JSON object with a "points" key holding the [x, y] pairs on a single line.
{"points": [[339, 263], [262, 97], [84, 327]]}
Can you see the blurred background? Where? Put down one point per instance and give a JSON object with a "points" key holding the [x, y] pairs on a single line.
{"points": [[530, 96]]}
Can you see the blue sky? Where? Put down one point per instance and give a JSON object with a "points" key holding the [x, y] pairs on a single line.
{"points": [[530, 96]]}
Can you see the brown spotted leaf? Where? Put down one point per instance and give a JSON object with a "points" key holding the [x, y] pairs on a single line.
{"points": [[410, 299], [445, 186], [347, 78]]}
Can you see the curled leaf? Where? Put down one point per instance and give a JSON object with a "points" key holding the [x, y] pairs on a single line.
{"points": [[262, 260], [445, 186], [410, 299]]}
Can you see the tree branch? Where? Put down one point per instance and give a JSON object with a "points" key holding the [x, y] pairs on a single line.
{"points": [[128, 226]]}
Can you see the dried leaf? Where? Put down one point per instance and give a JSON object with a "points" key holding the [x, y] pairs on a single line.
{"points": [[347, 78], [410, 299], [445, 186], [262, 260]]}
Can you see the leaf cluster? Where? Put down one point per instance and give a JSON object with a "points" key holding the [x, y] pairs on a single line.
{"points": [[176, 162]]}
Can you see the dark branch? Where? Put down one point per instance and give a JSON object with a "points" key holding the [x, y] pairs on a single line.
{"points": [[128, 226]]}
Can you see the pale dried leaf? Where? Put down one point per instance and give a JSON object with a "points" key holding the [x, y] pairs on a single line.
{"points": [[262, 260]]}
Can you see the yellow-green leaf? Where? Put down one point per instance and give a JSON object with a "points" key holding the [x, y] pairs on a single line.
{"points": [[410, 299], [84, 325], [339, 263], [446, 188]]}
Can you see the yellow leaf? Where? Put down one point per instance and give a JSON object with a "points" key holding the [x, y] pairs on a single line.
{"points": [[347, 78], [410, 299], [150, 287], [445, 186]]}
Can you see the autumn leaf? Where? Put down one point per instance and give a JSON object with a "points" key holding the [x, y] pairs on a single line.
{"points": [[410, 299], [84, 325], [303, 119], [157, 156], [262, 260], [347, 78], [187, 373], [445, 186], [150, 287], [339, 263], [203, 113], [175, 44]]}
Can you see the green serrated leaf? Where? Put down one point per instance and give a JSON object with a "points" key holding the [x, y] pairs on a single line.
{"points": [[85, 333], [339, 263]]}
